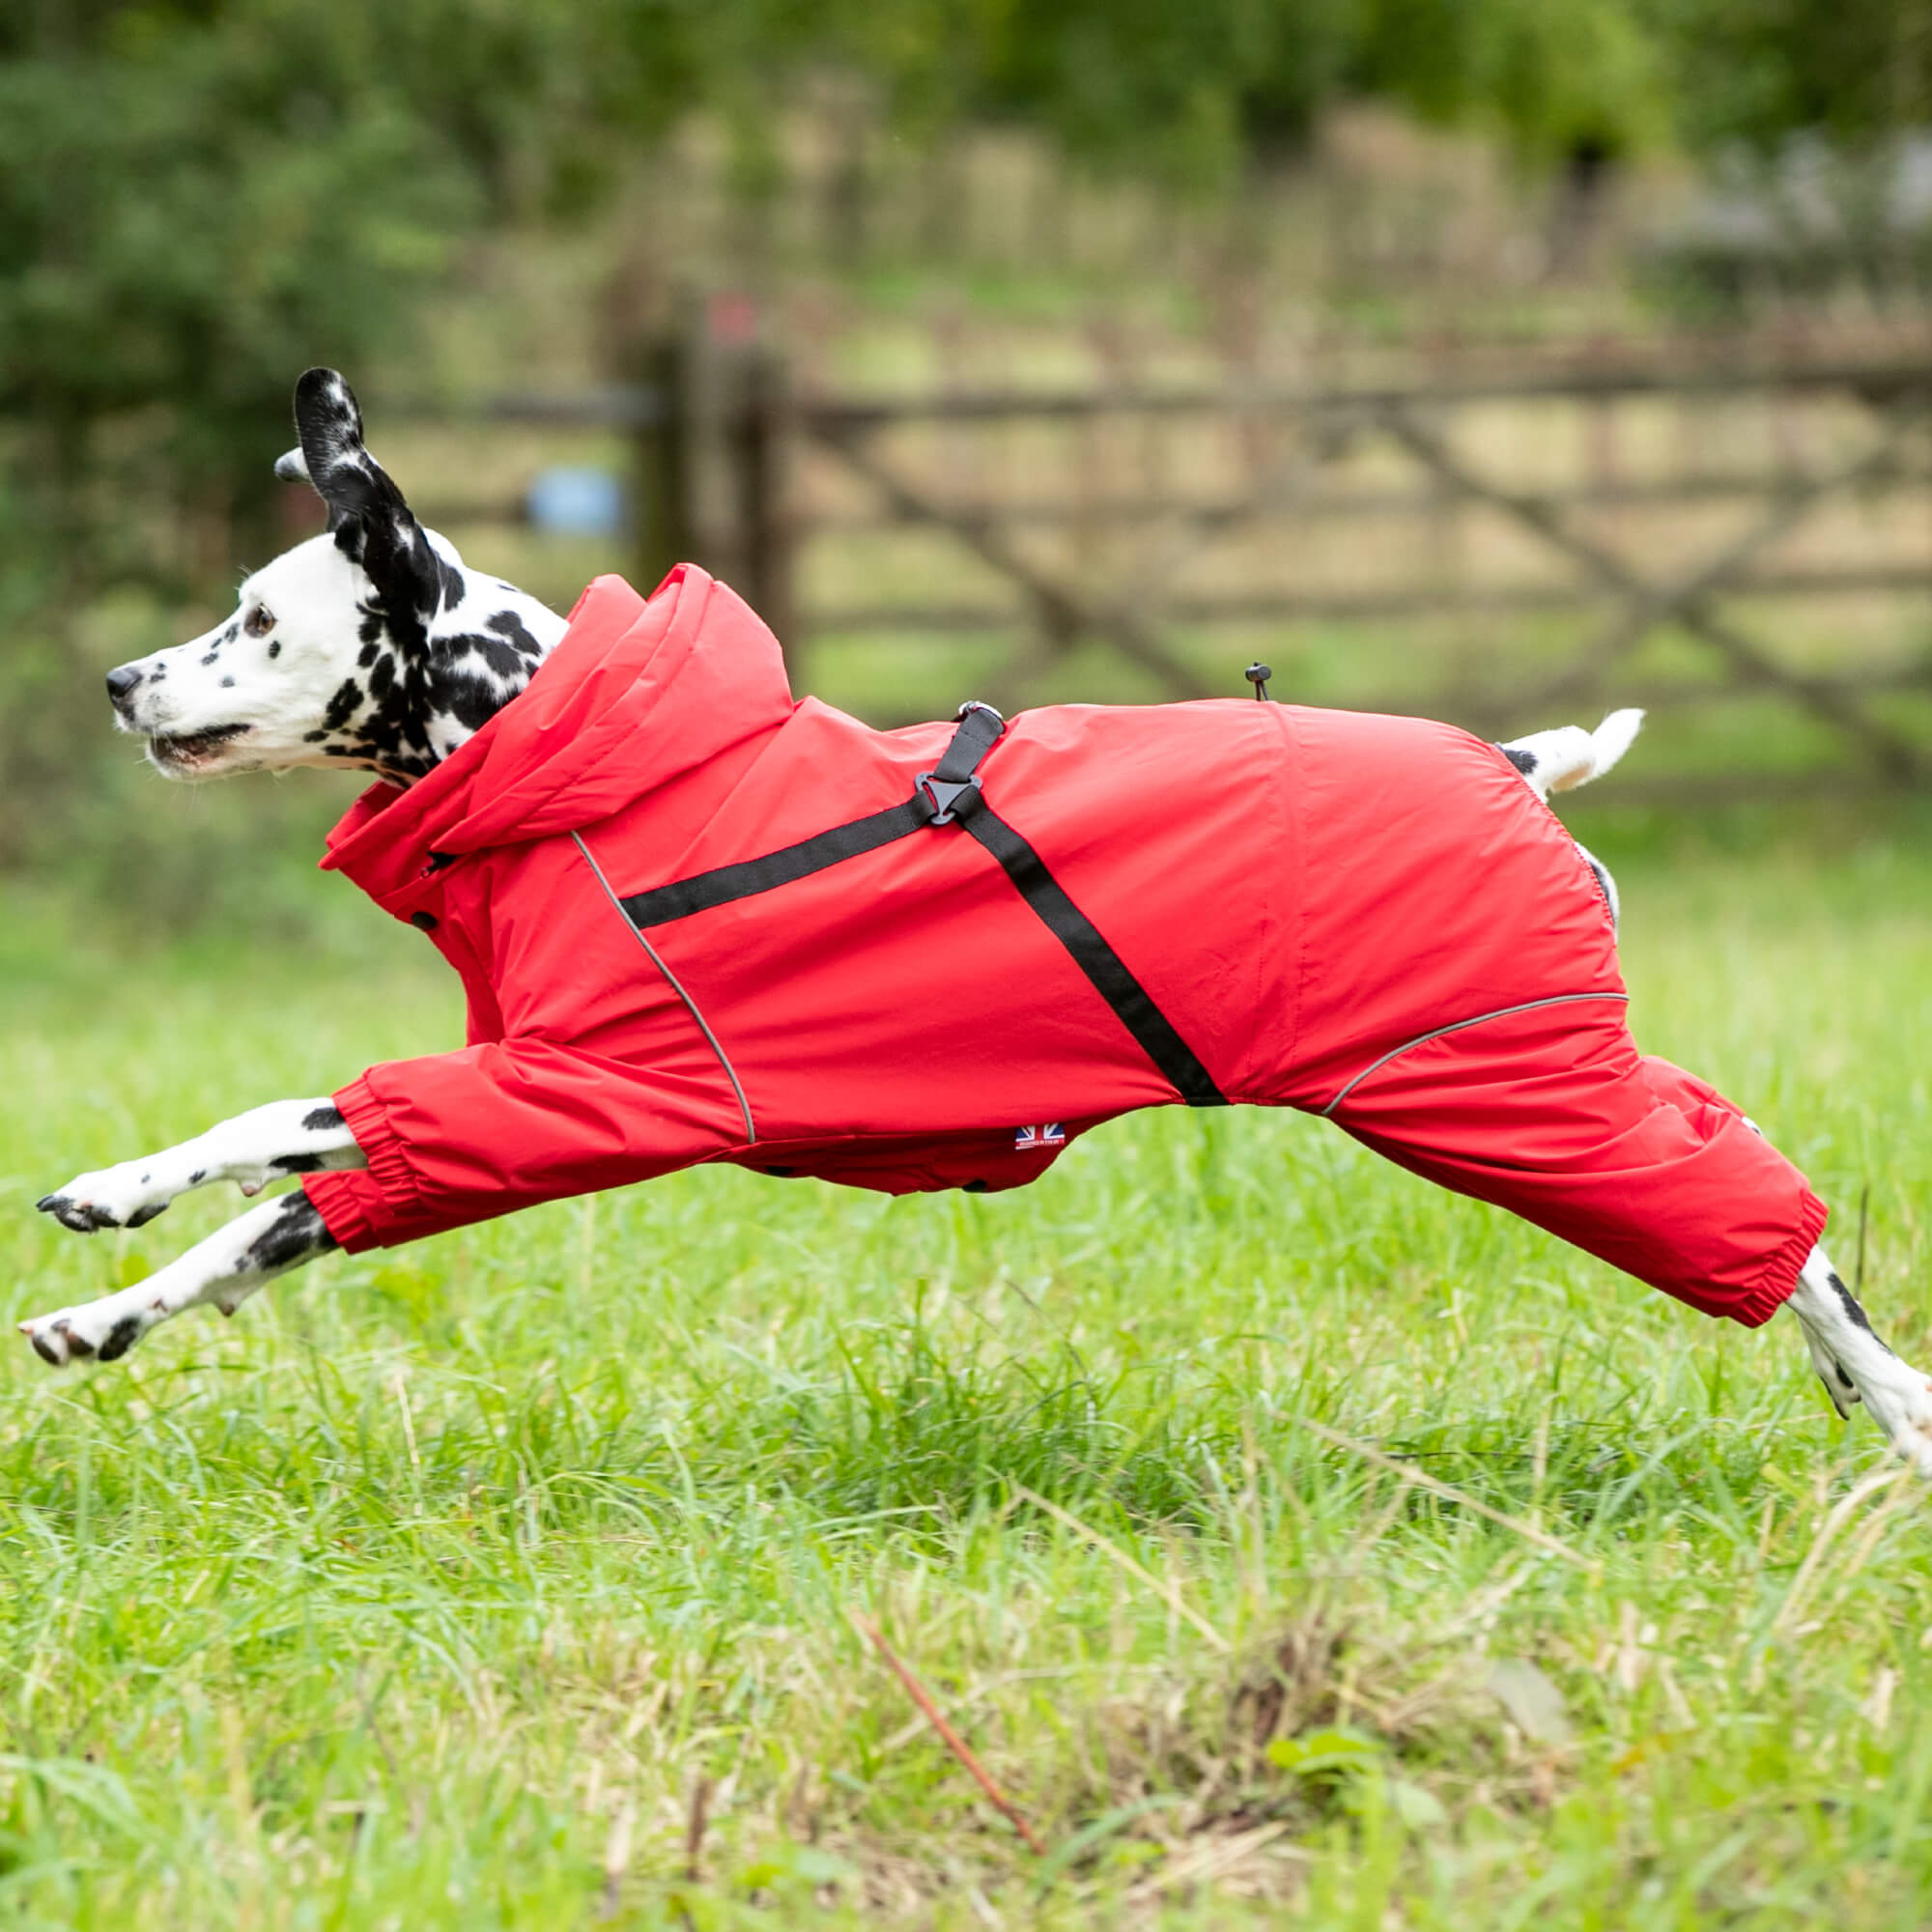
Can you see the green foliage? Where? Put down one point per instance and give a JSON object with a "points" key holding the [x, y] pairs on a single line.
{"points": [[1856, 70], [188, 212], [1550, 81]]}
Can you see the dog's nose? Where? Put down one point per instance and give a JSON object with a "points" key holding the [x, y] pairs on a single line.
{"points": [[121, 681]]}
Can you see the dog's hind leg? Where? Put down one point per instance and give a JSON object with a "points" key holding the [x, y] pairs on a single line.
{"points": [[1855, 1366], [226, 1269], [266, 1144]]}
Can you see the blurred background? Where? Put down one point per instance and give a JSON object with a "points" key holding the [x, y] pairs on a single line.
{"points": [[1481, 359]]}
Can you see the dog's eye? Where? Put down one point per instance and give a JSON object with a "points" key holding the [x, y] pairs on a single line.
{"points": [[259, 621]]}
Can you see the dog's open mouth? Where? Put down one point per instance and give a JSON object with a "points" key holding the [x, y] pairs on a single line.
{"points": [[189, 751]]}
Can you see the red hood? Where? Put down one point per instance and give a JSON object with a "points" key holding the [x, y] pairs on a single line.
{"points": [[636, 694]]}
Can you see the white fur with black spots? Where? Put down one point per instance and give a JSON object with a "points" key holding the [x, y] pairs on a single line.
{"points": [[373, 646]]}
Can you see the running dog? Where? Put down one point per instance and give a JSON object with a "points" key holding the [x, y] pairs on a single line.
{"points": [[696, 921]]}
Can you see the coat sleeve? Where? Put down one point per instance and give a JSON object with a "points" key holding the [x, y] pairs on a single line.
{"points": [[454, 1138]]}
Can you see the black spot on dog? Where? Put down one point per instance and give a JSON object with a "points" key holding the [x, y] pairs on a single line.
{"points": [[316, 738], [507, 624], [233, 631], [122, 1337], [212, 654], [274, 647], [195, 1179], [343, 706], [319, 1119], [143, 1216], [495, 652], [296, 1234], [454, 588], [1853, 1313], [45, 1350], [228, 684], [370, 629], [461, 693], [1523, 761], [296, 1163]]}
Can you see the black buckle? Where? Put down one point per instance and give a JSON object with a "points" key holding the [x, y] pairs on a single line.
{"points": [[944, 793], [965, 751]]}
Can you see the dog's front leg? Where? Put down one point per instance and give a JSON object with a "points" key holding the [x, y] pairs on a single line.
{"points": [[263, 1145], [226, 1269], [1855, 1366]]}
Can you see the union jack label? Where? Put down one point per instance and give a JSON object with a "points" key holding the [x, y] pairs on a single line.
{"points": [[1027, 1139]]}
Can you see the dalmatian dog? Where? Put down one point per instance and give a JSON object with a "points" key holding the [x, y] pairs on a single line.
{"points": [[375, 646]]}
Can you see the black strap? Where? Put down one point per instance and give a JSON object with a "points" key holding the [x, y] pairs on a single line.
{"points": [[705, 890], [950, 791], [980, 728], [1109, 973], [980, 731]]}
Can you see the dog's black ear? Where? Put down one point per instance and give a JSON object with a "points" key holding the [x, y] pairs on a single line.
{"points": [[367, 515]]}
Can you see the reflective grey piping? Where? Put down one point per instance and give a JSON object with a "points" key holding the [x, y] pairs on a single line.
{"points": [[1457, 1026], [671, 980]]}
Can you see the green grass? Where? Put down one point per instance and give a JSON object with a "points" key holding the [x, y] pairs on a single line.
{"points": [[426, 1591]]}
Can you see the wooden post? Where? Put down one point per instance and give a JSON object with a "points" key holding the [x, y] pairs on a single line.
{"points": [[760, 447], [663, 484], [711, 458]]}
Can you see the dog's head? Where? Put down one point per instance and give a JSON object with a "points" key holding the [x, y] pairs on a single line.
{"points": [[371, 646]]}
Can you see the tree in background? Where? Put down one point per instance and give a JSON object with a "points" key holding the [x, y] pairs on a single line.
{"points": [[1758, 70]]}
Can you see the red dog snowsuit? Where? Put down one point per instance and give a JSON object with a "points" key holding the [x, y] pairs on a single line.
{"points": [[1370, 917]]}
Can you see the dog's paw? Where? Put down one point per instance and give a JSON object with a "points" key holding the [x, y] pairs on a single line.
{"points": [[1899, 1399], [128, 1196], [102, 1330]]}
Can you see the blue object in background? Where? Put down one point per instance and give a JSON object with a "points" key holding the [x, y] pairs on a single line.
{"points": [[574, 503]]}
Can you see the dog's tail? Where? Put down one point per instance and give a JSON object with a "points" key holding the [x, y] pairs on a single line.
{"points": [[1563, 759]]}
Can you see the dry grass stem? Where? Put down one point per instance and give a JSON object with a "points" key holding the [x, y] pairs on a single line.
{"points": [[950, 1738], [693, 1832], [1900, 1478]]}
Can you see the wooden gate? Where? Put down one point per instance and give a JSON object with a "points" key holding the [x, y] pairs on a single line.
{"points": [[737, 469]]}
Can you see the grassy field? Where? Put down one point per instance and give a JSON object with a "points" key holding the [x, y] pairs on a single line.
{"points": [[430, 1590]]}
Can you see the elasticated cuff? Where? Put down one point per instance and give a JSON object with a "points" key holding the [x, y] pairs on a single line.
{"points": [[1775, 1286], [373, 1208]]}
